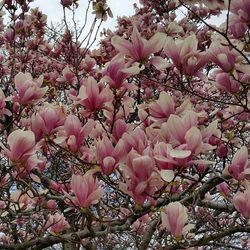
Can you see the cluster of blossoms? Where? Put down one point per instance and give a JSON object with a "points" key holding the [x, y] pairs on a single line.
{"points": [[141, 143]]}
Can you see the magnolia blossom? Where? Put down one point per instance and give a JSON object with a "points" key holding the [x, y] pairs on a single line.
{"points": [[163, 107], [185, 55], [47, 121], [236, 28], [116, 72], [23, 201], [101, 9], [241, 202], [93, 96], [241, 8], [88, 63], [223, 188], [29, 90], [20, 153], [3, 110], [174, 218], [226, 82], [240, 167], [57, 223], [108, 156], [185, 135], [67, 76], [141, 181], [136, 139], [75, 132], [85, 189], [223, 56], [139, 49]]}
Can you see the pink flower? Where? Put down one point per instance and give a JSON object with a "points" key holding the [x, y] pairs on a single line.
{"points": [[136, 139], [24, 201], [141, 181], [29, 91], [185, 55], [88, 64], [116, 72], [168, 158], [3, 110], [239, 168], [21, 153], [86, 190], [241, 202], [57, 223], [174, 217], [67, 77], [237, 28], [107, 155], [139, 48], [223, 57], [163, 107], [225, 82], [241, 8], [47, 121], [9, 35], [223, 188], [179, 126], [93, 96], [120, 127], [75, 132]]}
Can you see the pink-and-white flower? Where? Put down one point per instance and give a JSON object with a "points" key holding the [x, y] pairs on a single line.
{"points": [[85, 189], [29, 90], [174, 218]]}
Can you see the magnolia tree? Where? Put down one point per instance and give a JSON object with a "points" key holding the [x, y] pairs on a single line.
{"points": [[141, 143]]}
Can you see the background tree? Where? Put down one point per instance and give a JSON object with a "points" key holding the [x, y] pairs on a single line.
{"points": [[141, 143]]}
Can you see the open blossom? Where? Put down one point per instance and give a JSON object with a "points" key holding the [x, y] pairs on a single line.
{"points": [[101, 9], [29, 90], [108, 156], [169, 158], [3, 110], [163, 107], [47, 121], [86, 190], [236, 28], [116, 72], [139, 48], [23, 201], [15, 152], [184, 54], [226, 82], [56, 223], [223, 56], [142, 182], [240, 167], [136, 139], [67, 76], [174, 218], [241, 8], [21, 151], [93, 96], [75, 132], [241, 202]]}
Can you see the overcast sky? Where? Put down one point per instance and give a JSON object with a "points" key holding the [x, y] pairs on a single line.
{"points": [[54, 12], [53, 9]]}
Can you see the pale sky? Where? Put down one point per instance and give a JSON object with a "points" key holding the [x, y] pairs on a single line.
{"points": [[54, 12]]}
